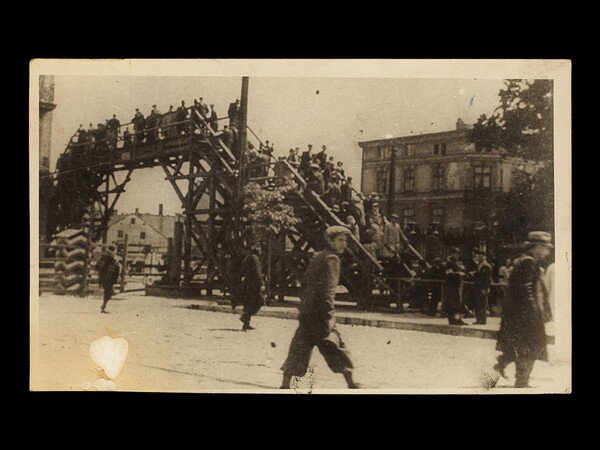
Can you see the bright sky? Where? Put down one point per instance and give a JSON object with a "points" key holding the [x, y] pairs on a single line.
{"points": [[289, 112]]}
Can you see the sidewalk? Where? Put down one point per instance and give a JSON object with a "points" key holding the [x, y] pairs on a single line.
{"points": [[349, 315]]}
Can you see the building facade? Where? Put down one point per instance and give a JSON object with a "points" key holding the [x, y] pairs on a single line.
{"points": [[147, 235], [440, 180]]}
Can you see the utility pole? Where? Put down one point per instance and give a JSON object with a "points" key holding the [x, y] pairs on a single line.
{"points": [[392, 183], [242, 133]]}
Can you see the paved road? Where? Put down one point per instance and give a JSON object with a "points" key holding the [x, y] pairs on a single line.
{"points": [[172, 348]]}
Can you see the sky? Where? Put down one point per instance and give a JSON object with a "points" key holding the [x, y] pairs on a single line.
{"points": [[289, 112]]}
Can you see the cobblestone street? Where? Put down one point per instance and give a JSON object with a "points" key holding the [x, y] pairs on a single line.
{"points": [[177, 349]]}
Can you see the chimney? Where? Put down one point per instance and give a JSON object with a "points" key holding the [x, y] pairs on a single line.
{"points": [[461, 125], [160, 209], [137, 211]]}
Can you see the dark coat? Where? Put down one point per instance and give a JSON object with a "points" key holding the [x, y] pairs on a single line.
{"points": [[317, 307], [316, 183], [108, 270], [453, 286], [483, 277], [252, 281], [522, 332]]}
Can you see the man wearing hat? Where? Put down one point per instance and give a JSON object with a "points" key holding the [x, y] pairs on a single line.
{"points": [[481, 289], [315, 180], [317, 320], [455, 271], [391, 238], [522, 336], [214, 119]]}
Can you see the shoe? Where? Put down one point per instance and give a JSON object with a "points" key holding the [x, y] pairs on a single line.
{"points": [[499, 370], [456, 322], [489, 380], [354, 386]]}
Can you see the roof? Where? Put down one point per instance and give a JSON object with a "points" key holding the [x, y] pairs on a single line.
{"points": [[415, 138]]}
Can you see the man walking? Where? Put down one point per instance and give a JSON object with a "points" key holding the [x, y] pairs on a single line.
{"points": [[253, 286], [522, 336], [108, 274], [317, 320]]}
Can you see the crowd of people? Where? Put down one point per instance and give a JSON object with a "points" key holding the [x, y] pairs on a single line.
{"points": [[158, 126]]}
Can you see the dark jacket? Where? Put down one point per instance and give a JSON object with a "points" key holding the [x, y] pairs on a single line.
{"points": [[522, 332], [316, 183], [483, 277], [108, 269], [317, 307], [252, 280]]}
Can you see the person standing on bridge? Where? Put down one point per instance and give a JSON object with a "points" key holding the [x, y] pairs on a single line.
{"points": [[214, 119], [317, 314], [180, 117], [139, 123], [233, 112], [525, 310], [305, 161], [108, 273]]}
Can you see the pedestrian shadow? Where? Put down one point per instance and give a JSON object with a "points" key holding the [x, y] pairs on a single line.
{"points": [[224, 329]]}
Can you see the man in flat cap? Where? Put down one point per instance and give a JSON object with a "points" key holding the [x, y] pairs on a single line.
{"points": [[317, 320], [522, 336]]}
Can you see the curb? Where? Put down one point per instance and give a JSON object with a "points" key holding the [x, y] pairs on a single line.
{"points": [[340, 318]]}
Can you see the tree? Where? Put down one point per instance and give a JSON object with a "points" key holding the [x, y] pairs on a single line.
{"points": [[268, 216], [522, 126]]}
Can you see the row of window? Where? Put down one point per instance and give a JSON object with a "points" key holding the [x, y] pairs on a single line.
{"points": [[408, 216], [482, 178], [409, 150], [121, 234]]}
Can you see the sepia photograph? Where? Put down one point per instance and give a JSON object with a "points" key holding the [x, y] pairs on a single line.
{"points": [[301, 226]]}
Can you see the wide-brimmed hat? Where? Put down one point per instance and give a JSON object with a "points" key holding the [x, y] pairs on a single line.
{"points": [[539, 238]]}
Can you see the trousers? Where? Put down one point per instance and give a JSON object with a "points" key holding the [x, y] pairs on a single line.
{"points": [[334, 351]]}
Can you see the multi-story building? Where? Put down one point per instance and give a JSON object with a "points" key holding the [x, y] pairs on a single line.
{"points": [[440, 179], [147, 234]]}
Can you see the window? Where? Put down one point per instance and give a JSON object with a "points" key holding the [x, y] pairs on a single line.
{"points": [[142, 235], [436, 149], [120, 233], [408, 217], [382, 180], [444, 148], [482, 177], [409, 180], [437, 215], [133, 221], [384, 152], [438, 178]]}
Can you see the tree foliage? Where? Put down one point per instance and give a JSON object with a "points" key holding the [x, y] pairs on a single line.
{"points": [[522, 124], [266, 210]]}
